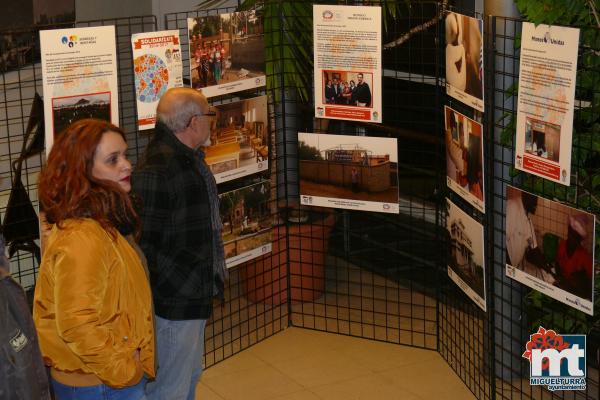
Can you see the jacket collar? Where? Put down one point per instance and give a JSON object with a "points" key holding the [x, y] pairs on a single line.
{"points": [[165, 135]]}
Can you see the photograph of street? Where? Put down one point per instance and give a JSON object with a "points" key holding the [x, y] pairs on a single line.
{"points": [[247, 222]]}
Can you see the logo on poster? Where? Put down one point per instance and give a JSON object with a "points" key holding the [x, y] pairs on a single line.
{"points": [[556, 361], [327, 15], [69, 41], [547, 39]]}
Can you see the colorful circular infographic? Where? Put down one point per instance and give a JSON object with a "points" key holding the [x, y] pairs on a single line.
{"points": [[151, 77]]}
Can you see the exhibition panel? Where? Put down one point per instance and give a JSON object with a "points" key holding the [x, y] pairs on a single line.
{"points": [[405, 172]]}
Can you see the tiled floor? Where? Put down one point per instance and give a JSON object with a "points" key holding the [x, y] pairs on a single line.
{"points": [[301, 364]]}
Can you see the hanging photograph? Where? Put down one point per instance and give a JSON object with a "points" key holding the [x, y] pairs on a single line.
{"points": [[548, 69], [550, 248], [351, 172], [247, 222], [156, 68], [79, 75], [239, 139], [347, 62], [464, 59], [466, 264], [464, 157], [227, 52]]}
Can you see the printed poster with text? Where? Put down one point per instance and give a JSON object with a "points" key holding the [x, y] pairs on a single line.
{"points": [[347, 60], [79, 74], [548, 69], [156, 68]]}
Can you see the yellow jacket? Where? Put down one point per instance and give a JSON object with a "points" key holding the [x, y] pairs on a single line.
{"points": [[93, 305]]}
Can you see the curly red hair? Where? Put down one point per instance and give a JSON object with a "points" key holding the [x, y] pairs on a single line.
{"points": [[67, 188]]}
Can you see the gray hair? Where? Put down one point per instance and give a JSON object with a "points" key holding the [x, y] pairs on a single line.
{"points": [[177, 120]]}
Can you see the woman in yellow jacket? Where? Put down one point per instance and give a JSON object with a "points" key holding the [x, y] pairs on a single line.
{"points": [[93, 305]]}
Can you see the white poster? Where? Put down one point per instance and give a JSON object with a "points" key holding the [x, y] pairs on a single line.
{"points": [[464, 157], [466, 265], [548, 70], [247, 223], [79, 74], [156, 68], [550, 248], [239, 139], [351, 172], [227, 52], [347, 62], [464, 59]]}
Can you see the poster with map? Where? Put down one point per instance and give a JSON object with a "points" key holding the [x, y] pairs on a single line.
{"points": [[156, 68], [79, 75]]}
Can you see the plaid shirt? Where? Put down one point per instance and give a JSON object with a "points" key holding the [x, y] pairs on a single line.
{"points": [[176, 227]]}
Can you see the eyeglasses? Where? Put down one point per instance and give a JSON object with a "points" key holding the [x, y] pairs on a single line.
{"points": [[210, 114]]}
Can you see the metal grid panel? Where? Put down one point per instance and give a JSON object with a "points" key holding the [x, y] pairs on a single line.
{"points": [[367, 274], [256, 295], [21, 78], [518, 310]]}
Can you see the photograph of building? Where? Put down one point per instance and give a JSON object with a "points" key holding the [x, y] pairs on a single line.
{"points": [[226, 48], [466, 262], [239, 139], [542, 139], [247, 222], [342, 167]]}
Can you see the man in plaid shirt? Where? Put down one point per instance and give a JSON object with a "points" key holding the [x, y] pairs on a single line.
{"points": [[181, 238]]}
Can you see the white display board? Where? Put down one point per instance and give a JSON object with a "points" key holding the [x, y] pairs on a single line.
{"points": [[347, 62], [79, 75], [548, 69]]}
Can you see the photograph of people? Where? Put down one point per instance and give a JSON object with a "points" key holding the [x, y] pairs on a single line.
{"points": [[226, 48], [464, 157], [551, 244], [542, 139], [341, 88], [93, 304], [464, 58]]}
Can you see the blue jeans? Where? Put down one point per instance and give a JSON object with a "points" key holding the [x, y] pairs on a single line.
{"points": [[180, 348], [99, 392]]}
